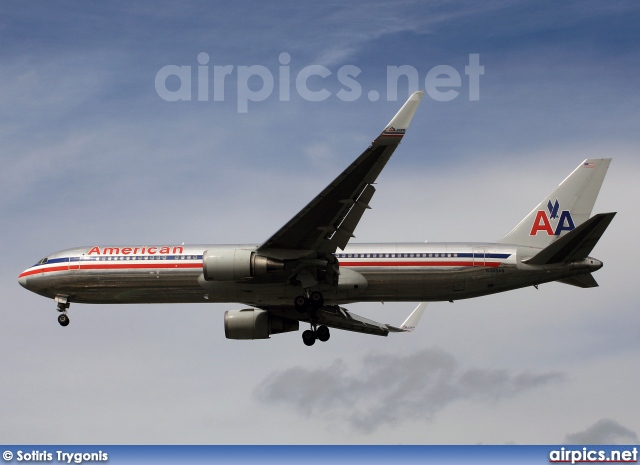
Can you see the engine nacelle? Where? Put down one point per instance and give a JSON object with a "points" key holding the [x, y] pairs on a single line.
{"points": [[226, 264], [254, 323]]}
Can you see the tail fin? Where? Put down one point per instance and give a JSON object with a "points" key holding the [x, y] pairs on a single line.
{"points": [[564, 209]]}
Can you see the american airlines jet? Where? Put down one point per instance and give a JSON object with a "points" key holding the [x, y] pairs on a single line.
{"points": [[308, 269]]}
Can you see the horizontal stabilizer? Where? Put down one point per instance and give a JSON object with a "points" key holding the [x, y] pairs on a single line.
{"points": [[576, 244], [584, 281]]}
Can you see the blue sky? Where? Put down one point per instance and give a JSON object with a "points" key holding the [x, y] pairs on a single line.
{"points": [[91, 154]]}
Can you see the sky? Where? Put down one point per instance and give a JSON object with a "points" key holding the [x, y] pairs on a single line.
{"points": [[119, 126]]}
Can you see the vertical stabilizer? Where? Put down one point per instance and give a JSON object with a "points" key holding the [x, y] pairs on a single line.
{"points": [[564, 209]]}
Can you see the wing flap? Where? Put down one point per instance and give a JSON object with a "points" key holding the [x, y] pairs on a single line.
{"points": [[338, 317]]}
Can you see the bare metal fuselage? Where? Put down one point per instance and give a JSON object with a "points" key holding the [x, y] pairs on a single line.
{"points": [[368, 273]]}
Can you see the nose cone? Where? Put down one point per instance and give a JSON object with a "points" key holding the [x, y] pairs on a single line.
{"points": [[22, 279]]}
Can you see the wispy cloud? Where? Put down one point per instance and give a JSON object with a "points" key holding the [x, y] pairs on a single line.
{"points": [[389, 389]]}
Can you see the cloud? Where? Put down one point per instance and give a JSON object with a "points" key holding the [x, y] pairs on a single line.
{"points": [[319, 153], [389, 389], [605, 431]]}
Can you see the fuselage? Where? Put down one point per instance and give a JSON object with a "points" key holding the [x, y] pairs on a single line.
{"points": [[368, 273]]}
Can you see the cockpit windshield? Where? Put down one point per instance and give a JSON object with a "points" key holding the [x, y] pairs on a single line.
{"points": [[43, 261]]}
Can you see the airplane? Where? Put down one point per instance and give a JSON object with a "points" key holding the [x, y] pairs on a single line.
{"points": [[308, 269]]}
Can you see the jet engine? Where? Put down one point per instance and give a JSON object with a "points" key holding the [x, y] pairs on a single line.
{"points": [[253, 323], [227, 264]]}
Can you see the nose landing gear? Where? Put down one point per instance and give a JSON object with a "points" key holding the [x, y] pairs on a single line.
{"points": [[63, 319], [63, 305]]}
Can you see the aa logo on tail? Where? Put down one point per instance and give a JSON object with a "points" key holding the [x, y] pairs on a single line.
{"points": [[543, 221]]}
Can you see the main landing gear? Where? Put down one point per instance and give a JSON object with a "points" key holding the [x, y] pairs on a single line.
{"points": [[311, 304], [321, 333], [63, 305], [314, 301]]}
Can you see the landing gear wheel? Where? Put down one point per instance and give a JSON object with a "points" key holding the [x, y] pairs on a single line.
{"points": [[301, 303], [316, 298], [309, 337], [322, 333], [63, 319]]}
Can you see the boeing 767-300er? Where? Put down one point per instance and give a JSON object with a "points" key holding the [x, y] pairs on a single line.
{"points": [[306, 272]]}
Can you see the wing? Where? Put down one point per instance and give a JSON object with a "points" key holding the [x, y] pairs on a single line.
{"points": [[329, 220], [337, 317]]}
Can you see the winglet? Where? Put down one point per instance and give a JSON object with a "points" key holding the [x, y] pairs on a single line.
{"points": [[411, 322], [400, 122]]}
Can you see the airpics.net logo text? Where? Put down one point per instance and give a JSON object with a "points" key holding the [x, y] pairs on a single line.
{"points": [[257, 83]]}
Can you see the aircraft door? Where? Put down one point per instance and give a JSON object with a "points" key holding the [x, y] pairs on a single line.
{"points": [[74, 263], [478, 256]]}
